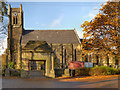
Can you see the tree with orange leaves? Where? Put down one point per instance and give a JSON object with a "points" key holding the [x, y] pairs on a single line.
{"points": [[102, 34]]}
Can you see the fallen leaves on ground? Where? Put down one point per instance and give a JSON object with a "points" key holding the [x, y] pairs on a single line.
{"points": [[87, 78]]}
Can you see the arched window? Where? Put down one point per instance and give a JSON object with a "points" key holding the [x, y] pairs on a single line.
{"points": [[75, 55], [62, 54], [72, 52], [116, 60], [97, 58], [65, 56], [107, 61], [13, 20]]}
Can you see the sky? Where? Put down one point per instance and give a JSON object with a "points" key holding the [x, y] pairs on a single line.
{"points": [[57, 15]]}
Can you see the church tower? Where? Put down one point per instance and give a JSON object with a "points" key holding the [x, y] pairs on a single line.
{"points": [[15, 29]]}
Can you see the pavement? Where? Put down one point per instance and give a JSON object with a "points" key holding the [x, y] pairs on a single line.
{"points": [[110, 81]]}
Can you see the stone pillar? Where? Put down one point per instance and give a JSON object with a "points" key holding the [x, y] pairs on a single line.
{"points": [[46, 68], [105, 61], [3, 59], [112, 60], [51, 56], [52, 62], [94, 59], [20, 7], [52, 72]]}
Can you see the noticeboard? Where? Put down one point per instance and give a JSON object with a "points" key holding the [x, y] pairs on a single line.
{"points": [[76, 64], [88, 64]]}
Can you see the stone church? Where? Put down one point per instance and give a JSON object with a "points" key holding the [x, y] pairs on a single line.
{"points": [[44, 50]]}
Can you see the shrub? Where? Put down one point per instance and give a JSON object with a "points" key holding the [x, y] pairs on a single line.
{"points": [[102, 70], [82, 71], [14, 72], [3, 72], [59, 72], [96, 71]]}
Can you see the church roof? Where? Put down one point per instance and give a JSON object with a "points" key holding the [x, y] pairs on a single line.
{"points": [[51, 36]]}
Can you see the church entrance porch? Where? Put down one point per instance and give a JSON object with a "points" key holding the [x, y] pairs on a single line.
{"points": [[37, 68], [37, 59]]}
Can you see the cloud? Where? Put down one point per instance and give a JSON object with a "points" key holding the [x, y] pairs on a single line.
{"points": [[57, 21], [3, 45], [37, 23], [43, 24], [93, 13], [80, 33]]}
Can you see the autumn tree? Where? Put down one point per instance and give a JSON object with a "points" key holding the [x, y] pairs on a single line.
{"points": [[102, 33]]}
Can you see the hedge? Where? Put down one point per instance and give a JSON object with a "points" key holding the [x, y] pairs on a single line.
{"points": [[96, 71], [82, 71]]}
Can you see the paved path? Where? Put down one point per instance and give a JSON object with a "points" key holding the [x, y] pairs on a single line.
{"points": [[60, 83]]}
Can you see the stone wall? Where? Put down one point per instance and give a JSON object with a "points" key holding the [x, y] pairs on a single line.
{"points": [[27, 56], [103, 60], [65, 53], [3, 60]]}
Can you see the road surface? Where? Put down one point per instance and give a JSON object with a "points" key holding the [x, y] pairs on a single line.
{"points": [[110, 82]]}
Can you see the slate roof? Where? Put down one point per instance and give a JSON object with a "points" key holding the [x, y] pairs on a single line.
{"points": [[51, 36]]}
